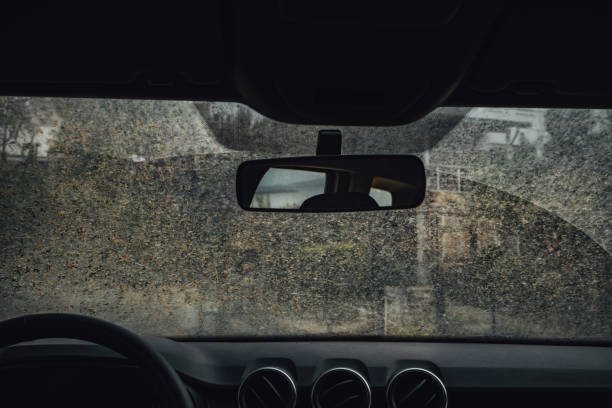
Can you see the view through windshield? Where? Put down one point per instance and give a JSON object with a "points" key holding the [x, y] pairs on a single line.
{"points": [[126, 210]]}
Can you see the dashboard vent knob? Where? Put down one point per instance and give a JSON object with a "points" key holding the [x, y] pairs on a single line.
{"points": [[416, 388], [267, 387], [341, 388]]}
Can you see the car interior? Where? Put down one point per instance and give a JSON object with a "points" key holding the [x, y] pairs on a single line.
{"points": [[313, 303]]}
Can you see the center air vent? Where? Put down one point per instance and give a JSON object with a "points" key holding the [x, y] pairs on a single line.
{"points": [[341, 388], [416, 388], [267, 387]]}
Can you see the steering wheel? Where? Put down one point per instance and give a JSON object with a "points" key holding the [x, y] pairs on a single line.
{"points": [[116, 338]]}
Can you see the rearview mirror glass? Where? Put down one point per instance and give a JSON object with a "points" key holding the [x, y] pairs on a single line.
{"points": [[331, 183]]}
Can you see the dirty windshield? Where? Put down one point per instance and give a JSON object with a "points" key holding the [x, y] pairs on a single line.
{"points": [[126, 210]]}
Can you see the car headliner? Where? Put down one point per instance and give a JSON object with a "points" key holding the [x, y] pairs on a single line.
{"points": [[317, 62]]}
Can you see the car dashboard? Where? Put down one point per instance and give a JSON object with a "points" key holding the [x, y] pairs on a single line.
{"points": [[321, 374]]}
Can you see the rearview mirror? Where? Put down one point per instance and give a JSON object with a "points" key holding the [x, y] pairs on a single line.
{"points": [[331, 183]]}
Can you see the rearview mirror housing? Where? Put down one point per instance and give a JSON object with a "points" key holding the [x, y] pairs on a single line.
{"points": [[331, 183]]}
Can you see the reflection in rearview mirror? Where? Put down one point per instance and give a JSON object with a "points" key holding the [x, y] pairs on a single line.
{"points": [[331, 183]]}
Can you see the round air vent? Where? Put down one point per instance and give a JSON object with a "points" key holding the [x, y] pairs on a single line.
{"points": [[341, 388], [267, 387], [416, 388]]}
